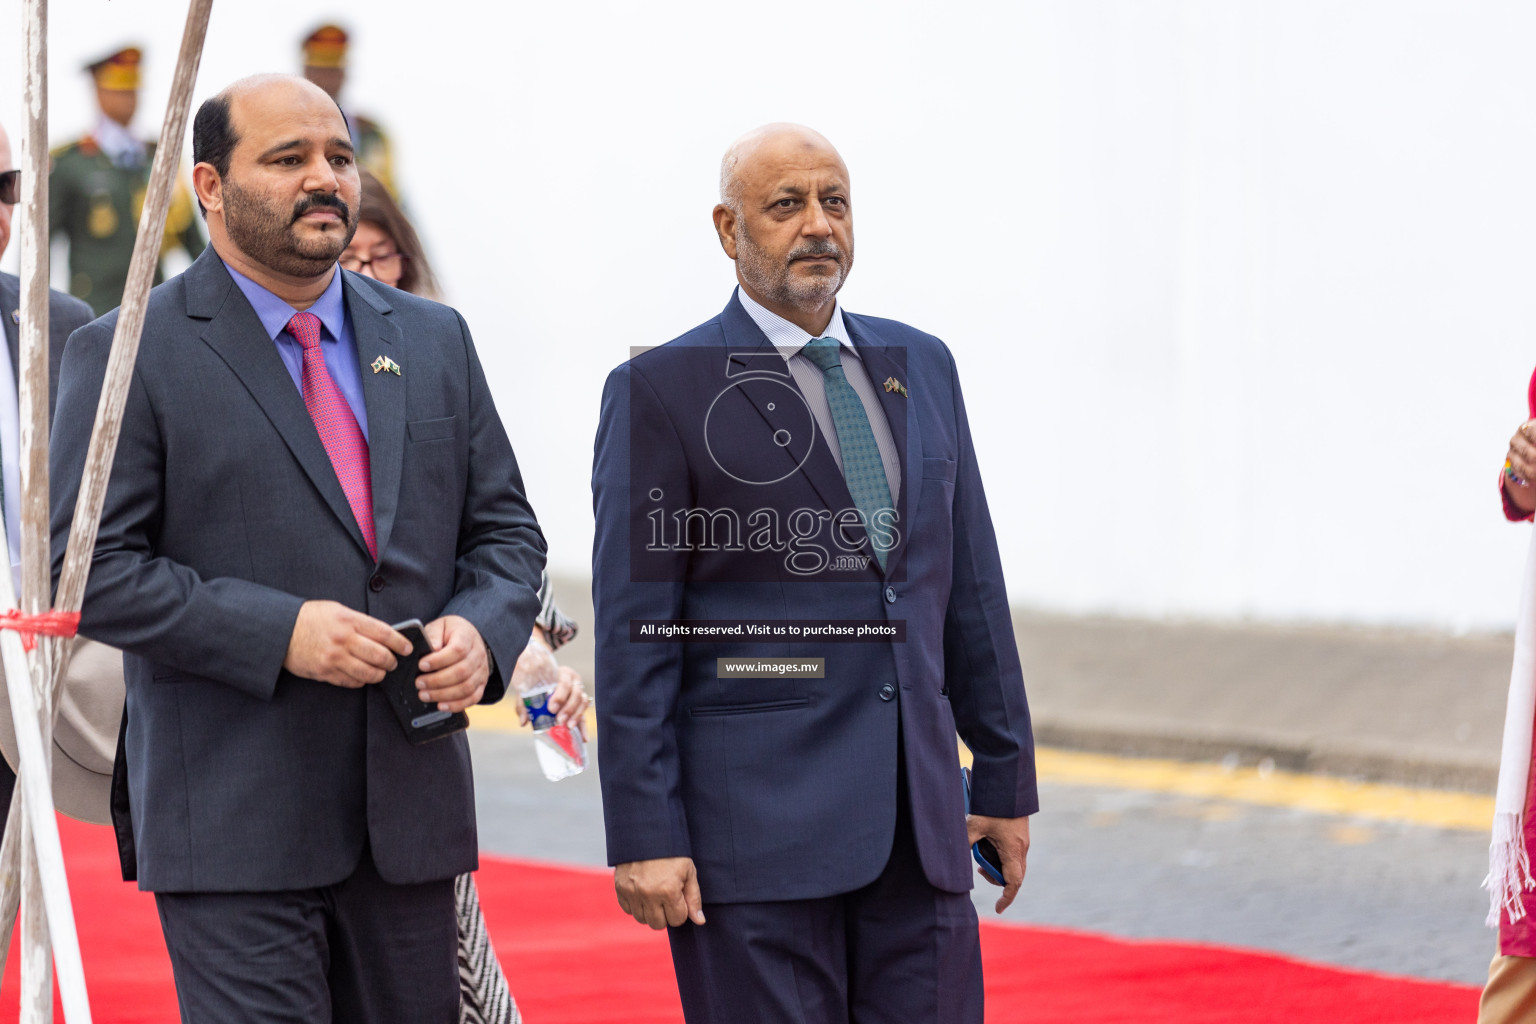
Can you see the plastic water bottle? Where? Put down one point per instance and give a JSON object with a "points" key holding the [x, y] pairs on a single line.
{"points": [[562, 753]]}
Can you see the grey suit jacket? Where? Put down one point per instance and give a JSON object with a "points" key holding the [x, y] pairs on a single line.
{"points": [[65, 315], [222, 516]]}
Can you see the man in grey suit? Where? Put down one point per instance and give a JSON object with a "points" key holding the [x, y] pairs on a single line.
{"points": [[65, 314], [306, 456]]}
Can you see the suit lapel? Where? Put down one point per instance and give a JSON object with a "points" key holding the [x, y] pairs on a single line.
{"points": [[235, 333], [820, 468], [884, 362], [376, 335], [10, 302]]}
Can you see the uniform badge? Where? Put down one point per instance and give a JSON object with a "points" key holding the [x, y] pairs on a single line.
{"points": [[102, 222], [383, 363], [892, 384]]}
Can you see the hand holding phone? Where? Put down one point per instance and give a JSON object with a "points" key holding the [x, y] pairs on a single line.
{"points": [[334, 644], [455, 674], [422, 722], [982, 851]]}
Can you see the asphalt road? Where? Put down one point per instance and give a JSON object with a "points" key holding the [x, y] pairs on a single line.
{"points": [[1393, 897]]}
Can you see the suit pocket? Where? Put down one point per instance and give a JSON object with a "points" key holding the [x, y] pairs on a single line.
{"points": [[750, 709], [939, 469], [430, 430]]}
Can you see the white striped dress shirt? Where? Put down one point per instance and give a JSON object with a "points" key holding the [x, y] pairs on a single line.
{"points": [[789, 339]]}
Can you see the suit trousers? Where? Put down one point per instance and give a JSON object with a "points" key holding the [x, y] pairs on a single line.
{"points": [[897, 951], [362, 951]]}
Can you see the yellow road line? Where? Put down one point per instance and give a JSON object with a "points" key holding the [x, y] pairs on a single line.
{"points": [[1321, 794], [1318, 793], [502, 717]]}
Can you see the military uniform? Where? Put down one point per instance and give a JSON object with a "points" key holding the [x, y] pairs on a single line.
{"points": [[96, 203], [325, 63], [373, 149], [96, 191]]}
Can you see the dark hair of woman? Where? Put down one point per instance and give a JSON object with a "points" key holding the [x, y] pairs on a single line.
{"points": [[379, 208]]}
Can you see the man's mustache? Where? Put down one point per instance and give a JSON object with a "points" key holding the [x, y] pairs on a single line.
{"points": [[818, 247], [319, 200]]}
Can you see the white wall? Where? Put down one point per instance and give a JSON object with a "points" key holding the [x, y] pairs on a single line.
{"points": [[1241, 290]]}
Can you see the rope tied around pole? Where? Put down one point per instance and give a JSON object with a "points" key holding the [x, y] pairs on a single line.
{"points": [[49, 623]]}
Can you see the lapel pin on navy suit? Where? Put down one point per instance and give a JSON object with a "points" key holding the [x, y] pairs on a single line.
{"points": [[892, 384], [385, 363], [16, 317]]}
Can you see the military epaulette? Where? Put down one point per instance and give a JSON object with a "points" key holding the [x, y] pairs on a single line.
{"points": [[86, 145]]}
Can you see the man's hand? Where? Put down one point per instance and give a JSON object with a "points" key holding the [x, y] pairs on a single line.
{"points": [[1522, 459], [660, 892], [336, 645], [1011, 837], [454, 675]]}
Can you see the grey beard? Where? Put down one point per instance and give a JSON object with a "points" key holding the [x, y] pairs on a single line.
{"points": [[774, 282]]}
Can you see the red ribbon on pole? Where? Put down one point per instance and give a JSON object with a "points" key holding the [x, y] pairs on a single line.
{"points": [[49, 623]]}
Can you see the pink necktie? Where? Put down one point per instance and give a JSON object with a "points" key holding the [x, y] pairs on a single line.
{"points": [[339, 432]]}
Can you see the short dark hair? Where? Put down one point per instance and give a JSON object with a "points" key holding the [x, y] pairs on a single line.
{"points": [[213, 137]]}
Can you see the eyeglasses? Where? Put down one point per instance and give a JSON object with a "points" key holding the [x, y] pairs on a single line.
{"points": [[10, 188], [387, 263]]}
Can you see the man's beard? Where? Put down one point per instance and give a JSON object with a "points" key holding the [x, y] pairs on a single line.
{"points": [[265, 233], [772, 279]]}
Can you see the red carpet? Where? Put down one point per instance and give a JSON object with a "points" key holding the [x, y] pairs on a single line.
{"points": [[573, 958]]}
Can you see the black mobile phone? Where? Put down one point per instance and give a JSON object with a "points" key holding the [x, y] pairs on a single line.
{"points": [[982, 850], [422, 722]]}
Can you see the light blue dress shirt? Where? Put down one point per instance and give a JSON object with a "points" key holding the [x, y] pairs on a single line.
{"points": [[336, 341]]}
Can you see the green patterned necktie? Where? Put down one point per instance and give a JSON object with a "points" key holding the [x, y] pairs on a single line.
{"points": [[863, 468]]}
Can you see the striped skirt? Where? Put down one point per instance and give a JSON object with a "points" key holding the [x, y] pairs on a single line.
{"points": [[483, 994]]}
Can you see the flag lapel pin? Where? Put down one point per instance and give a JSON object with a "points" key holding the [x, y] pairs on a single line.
{"points": [[892, 384], [383, 363]]}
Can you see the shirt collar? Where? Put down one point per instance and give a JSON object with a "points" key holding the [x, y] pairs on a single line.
{"points": [[116, 141], [790, 338], [274, 313]]}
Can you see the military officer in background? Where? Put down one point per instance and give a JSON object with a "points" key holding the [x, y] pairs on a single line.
{"points": [[96, 190], [325, 64]]}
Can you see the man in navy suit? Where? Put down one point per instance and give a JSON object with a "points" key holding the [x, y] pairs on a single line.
{"points": [[799, 603], [306, 457]]}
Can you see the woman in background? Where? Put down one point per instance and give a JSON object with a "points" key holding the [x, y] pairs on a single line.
{"points": [[387, 249]]}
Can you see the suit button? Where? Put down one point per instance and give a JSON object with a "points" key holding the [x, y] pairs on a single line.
{"points": [[377, 583], [887, 692], [890, 595]]}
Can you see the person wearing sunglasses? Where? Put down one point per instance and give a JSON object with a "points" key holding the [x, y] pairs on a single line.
{"points": [[77, 786], [96, 190]]}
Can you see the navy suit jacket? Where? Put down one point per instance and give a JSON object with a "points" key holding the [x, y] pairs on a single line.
{"points": [[222, 516], [65, 314], [785, 788]]}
